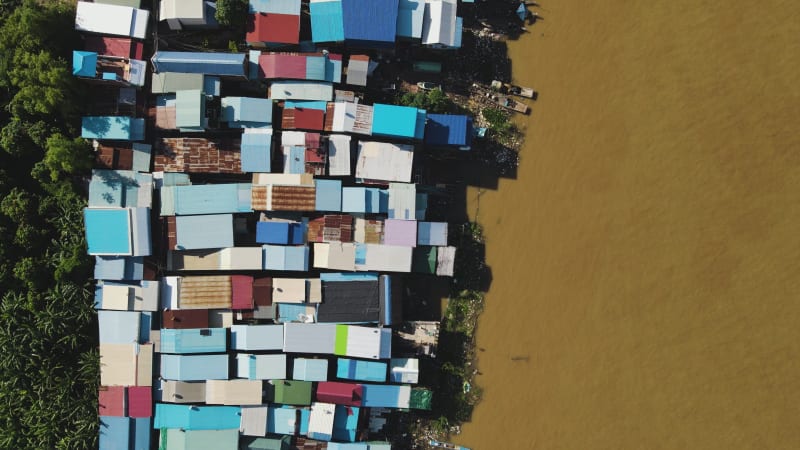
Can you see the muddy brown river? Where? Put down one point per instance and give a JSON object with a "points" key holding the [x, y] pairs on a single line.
{"points": [[646, 262]]}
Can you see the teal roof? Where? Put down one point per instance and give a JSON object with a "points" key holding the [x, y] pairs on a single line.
{"points": [[327, 21], [194, 367], [207, 231], [395, 121], [191, 417], [84, 64], [409, 18], [113, 128], [108, 231], [193, 340], [354, 369]]}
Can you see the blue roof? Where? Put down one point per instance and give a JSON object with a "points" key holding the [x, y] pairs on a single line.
{"points": [[246, 111], [296, 162], [191, 417], [393, 120], [194, 367], [327, 21], [354, 369], [432, 233], [448, 130], [365, 200], [348, 276], [211, 85], [117, 128], [333, 70], [119, 267], [280, 257], [305, 418], [289, 312], [119, 188], [370, 22], [256, 152], [315, 68], [198, 232], [329, 195], [115, 433], [345, 423], [409, 18], [141, 433], [310, 369], [84, 64], [209, 63], [422, 117], [282, 420], [193, 340], [120, 327], [282, 233], [348, 446], [212, 199], [381, 396], [108, 231], [290, 7], [308, 104]]}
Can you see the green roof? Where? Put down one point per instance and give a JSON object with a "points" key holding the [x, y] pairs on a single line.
{"points": [[292, 392], [420, 399], [276, 443], [424, 260]]}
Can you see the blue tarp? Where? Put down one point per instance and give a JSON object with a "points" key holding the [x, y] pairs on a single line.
{"points": [[370, 22], [327, 21], [448, 130]]}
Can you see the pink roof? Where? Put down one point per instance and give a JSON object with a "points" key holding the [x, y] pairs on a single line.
{"points": [[140, 401], [348, 394], [242, 291], [277, 65], [111, 401], [400, 232]]}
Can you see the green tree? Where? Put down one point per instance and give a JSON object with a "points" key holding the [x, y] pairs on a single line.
{"points": [[67, 156], [232, 13]]}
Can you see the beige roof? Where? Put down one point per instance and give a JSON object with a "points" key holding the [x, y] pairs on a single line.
{"points": [[183, 391], [314, 290], [220, 318], [234, 392], [335, 255], [205, 292], [289, 290], [126, 364]]}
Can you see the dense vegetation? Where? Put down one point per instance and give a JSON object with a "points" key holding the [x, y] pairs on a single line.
{"points": [[49, 364], [433, 101]]}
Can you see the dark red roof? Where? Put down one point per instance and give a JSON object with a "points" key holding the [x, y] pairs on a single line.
{"points": [[308, 119], [262, 291], [312, 141], [111, 401], [185, 318], [348, 394], [115, 46], [140, 401], [242, 291], [274, 28]]}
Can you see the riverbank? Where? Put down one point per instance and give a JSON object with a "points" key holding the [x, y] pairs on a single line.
{"points": [[645, 257]]}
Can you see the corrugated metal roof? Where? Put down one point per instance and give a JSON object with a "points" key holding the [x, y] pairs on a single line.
{"points": [[257, 337], [370, 22], [353, 369], [384, 161], [168, 82], [292, 392], [234, 392], [327, 21], [302, 119], [198, 155], [393, 120], [254, 421], [273, 28], [409, 18], [301, 90], [350, 302], [118, 268], [279, 257], [357, 70], [282, 65], [439, 24], [190, 109], [445, 261], [108, 231], [205, 292], [179, 439], [292, 198], [209, 198], [182, 319], [448, 130], [309, 338], [386, 396], [111, 19], [224, 64], [246, 111], [84, 64], [333, 69], [402, 201], [364, 200], [320, 424], [206, 340], [120, 188], [386, 258], [339, 155], [328, 195], [282, 420], [404, 370], [182, 391], [306, 104], [279, 232], [204, 231], [352, 118], [256, 152], [315, 68]]}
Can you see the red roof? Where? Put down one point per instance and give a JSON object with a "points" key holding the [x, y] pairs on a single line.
{"points": [[185, 318], [312, 141], [282, 65], [242, 291], [115, 46], [140, 401], [339, 393], [112, 401], [273, 28]]}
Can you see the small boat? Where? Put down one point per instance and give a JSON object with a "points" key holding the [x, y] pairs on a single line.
{"points": [[439, 444], [522, 12], [513, 89], [428, 86]]}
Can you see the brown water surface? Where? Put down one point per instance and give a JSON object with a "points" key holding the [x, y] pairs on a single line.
{"points": [[646, 261]]}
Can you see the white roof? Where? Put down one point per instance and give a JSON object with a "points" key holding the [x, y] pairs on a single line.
{"points": [[121, 297], [403, 201], [111, 19], [404, 370], [339, 155], [283, 179], [384, 161], [300, 90], [261, 367], [256, 337], [234, 392], [182, 9], [352, 118], [387, 258], [293, 138], [439, 23], [241, 258], [309, 338], [335, 255], [320, 422], [364, 342], [445, 259], [254, 421]]}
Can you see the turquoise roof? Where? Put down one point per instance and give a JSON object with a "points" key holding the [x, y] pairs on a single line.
{"points": [[327, 21], [193, 340], [345, 423], [309, 104], [194, 367], [84, 64], [190, 417], [113, 128], [354, 369], [108, 231], [409, 18], [393, 120]]}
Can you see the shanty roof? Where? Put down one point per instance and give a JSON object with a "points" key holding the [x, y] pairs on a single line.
{"points": [[114, 430], [256, 151], [383, 161], [261, 367], [180, 439], [292, 392], [118, 268], [201, 292], [118, 128], [120, 188], [386, 396], [279, 232], [123, 327], [254, 422], [302, 119], [126, 364], [301, 90], [191, 417], [234, 392], [273, 28], [111, 19], [409, 18], [345, 423], [190, 108], [84, 64], [439, 26], [404, 370], [448, 130], [282, 420], [329, 195], [141, 296], [320, 423], [363, 342], [204, 231], [297, 66], [210, 63], [115, 46], [109, 231], [194, 368], [309, 338], [327, 21], [169, 82], [182, 9], [354, 369], [348, 117], [246, 112], [310, 369], [403, 201], [339, 155], [370, 22], [384, 258]]}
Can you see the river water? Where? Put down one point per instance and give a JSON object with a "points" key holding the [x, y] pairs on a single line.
{"points": [[646, 262]]}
